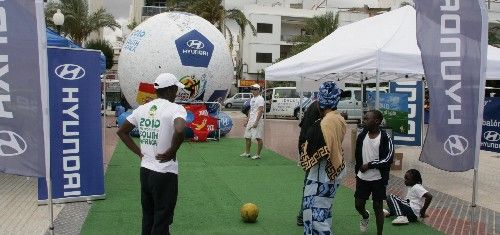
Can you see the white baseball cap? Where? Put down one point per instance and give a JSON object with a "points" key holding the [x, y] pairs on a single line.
{"points": [[165, 80], [255, 86]]}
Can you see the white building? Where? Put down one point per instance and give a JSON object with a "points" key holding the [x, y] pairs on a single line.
{"points": [[277, 21]]}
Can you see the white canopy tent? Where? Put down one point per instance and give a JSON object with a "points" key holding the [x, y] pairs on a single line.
{"points": [[385, 44]]}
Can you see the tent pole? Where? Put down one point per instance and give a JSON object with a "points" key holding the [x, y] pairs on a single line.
{"points": [[45, 103], [301, 97], [377, 94], [363, 96], [50, 205], [103, 122]]}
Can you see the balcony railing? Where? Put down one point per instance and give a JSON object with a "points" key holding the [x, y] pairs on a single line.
{"points": [[148, 11], [286, 38]]}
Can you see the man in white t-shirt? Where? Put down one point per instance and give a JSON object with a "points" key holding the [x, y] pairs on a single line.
{"points": [[161, 125], [254, 125]]}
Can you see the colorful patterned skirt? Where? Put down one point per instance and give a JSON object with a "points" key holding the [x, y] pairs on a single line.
{"points": [[319, 192]]}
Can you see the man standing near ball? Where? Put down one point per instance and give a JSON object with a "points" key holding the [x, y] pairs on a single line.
{"points": [[254, 125], [161, 125]]}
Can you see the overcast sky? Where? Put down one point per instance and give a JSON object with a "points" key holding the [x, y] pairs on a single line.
{"points": [[119, 9]]}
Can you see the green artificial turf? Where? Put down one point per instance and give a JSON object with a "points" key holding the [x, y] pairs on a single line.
{"points": [[213, 184]]}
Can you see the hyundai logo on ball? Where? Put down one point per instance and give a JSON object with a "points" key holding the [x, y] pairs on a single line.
{"points": [[195, 44], [194, 49]]}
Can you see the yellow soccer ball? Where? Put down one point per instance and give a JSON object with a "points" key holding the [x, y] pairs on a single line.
{"points": [[249, 213]]}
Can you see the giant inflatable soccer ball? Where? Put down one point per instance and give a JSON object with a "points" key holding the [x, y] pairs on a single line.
{"points": [[183, 44]]}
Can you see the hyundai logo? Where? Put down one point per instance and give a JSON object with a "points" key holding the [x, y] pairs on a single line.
{"points": [[69, 71], [456, 145], [195, 44], [491, 136], [11, 144], [224, 121]]}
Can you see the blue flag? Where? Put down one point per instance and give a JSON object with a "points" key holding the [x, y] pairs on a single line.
{"points": [[452, 36], [76, 136], [23, 83], [490, 140]]}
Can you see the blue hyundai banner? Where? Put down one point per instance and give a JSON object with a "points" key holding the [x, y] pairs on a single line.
{"points": [[76, 132], [23, 89], [490, 139], [415, 91], [452, 36]]}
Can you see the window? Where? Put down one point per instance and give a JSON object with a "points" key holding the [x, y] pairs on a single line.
{"points": [[294, 94], [238, 96], [282, 93], [247, 96], [286, 93], [269, 94], [264, 57], [357, 95], [264, 28], [346, 95]]}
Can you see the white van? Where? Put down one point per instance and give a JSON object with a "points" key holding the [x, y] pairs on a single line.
{"points": [[351, 102], [281, 101]]}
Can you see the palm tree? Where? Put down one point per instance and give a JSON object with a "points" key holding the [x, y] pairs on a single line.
{"points": [[214, 12], [316, 29], [103, 46], [78, 23], [493, 38]]}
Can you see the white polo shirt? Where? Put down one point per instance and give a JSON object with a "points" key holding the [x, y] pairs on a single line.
{"points": [[155, 121]]}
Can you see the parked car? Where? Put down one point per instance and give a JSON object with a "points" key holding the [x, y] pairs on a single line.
{"points": [[351, 101], [237, 100]]}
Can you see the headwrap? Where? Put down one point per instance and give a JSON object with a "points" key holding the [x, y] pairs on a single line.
{"points": [[329, 95]]}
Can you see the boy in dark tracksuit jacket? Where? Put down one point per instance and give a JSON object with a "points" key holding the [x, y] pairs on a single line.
{"points": [[374, 156]]}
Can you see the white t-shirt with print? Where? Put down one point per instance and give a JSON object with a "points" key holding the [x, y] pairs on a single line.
{"points": [[415, 195], [370, 153], [255, 103], [155, 121]]}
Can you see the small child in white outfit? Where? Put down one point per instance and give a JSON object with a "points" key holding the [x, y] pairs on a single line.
{"points": [[416, 203]]}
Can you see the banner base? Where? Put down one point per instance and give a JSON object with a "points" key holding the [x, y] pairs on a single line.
{"points": [[73, 199]]}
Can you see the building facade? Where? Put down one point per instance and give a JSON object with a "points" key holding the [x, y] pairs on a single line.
{"points": [[277, 21]]}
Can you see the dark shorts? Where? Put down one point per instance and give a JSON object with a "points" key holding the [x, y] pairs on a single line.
{"points": [[364, 188]]}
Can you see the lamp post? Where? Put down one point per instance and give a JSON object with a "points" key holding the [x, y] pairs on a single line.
{"points": [[58, 19]]}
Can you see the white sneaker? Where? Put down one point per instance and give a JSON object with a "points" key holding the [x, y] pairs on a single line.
{"points": [[245, 155], [363, 224], [401, 220], [255, 157], [386, 213]]}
